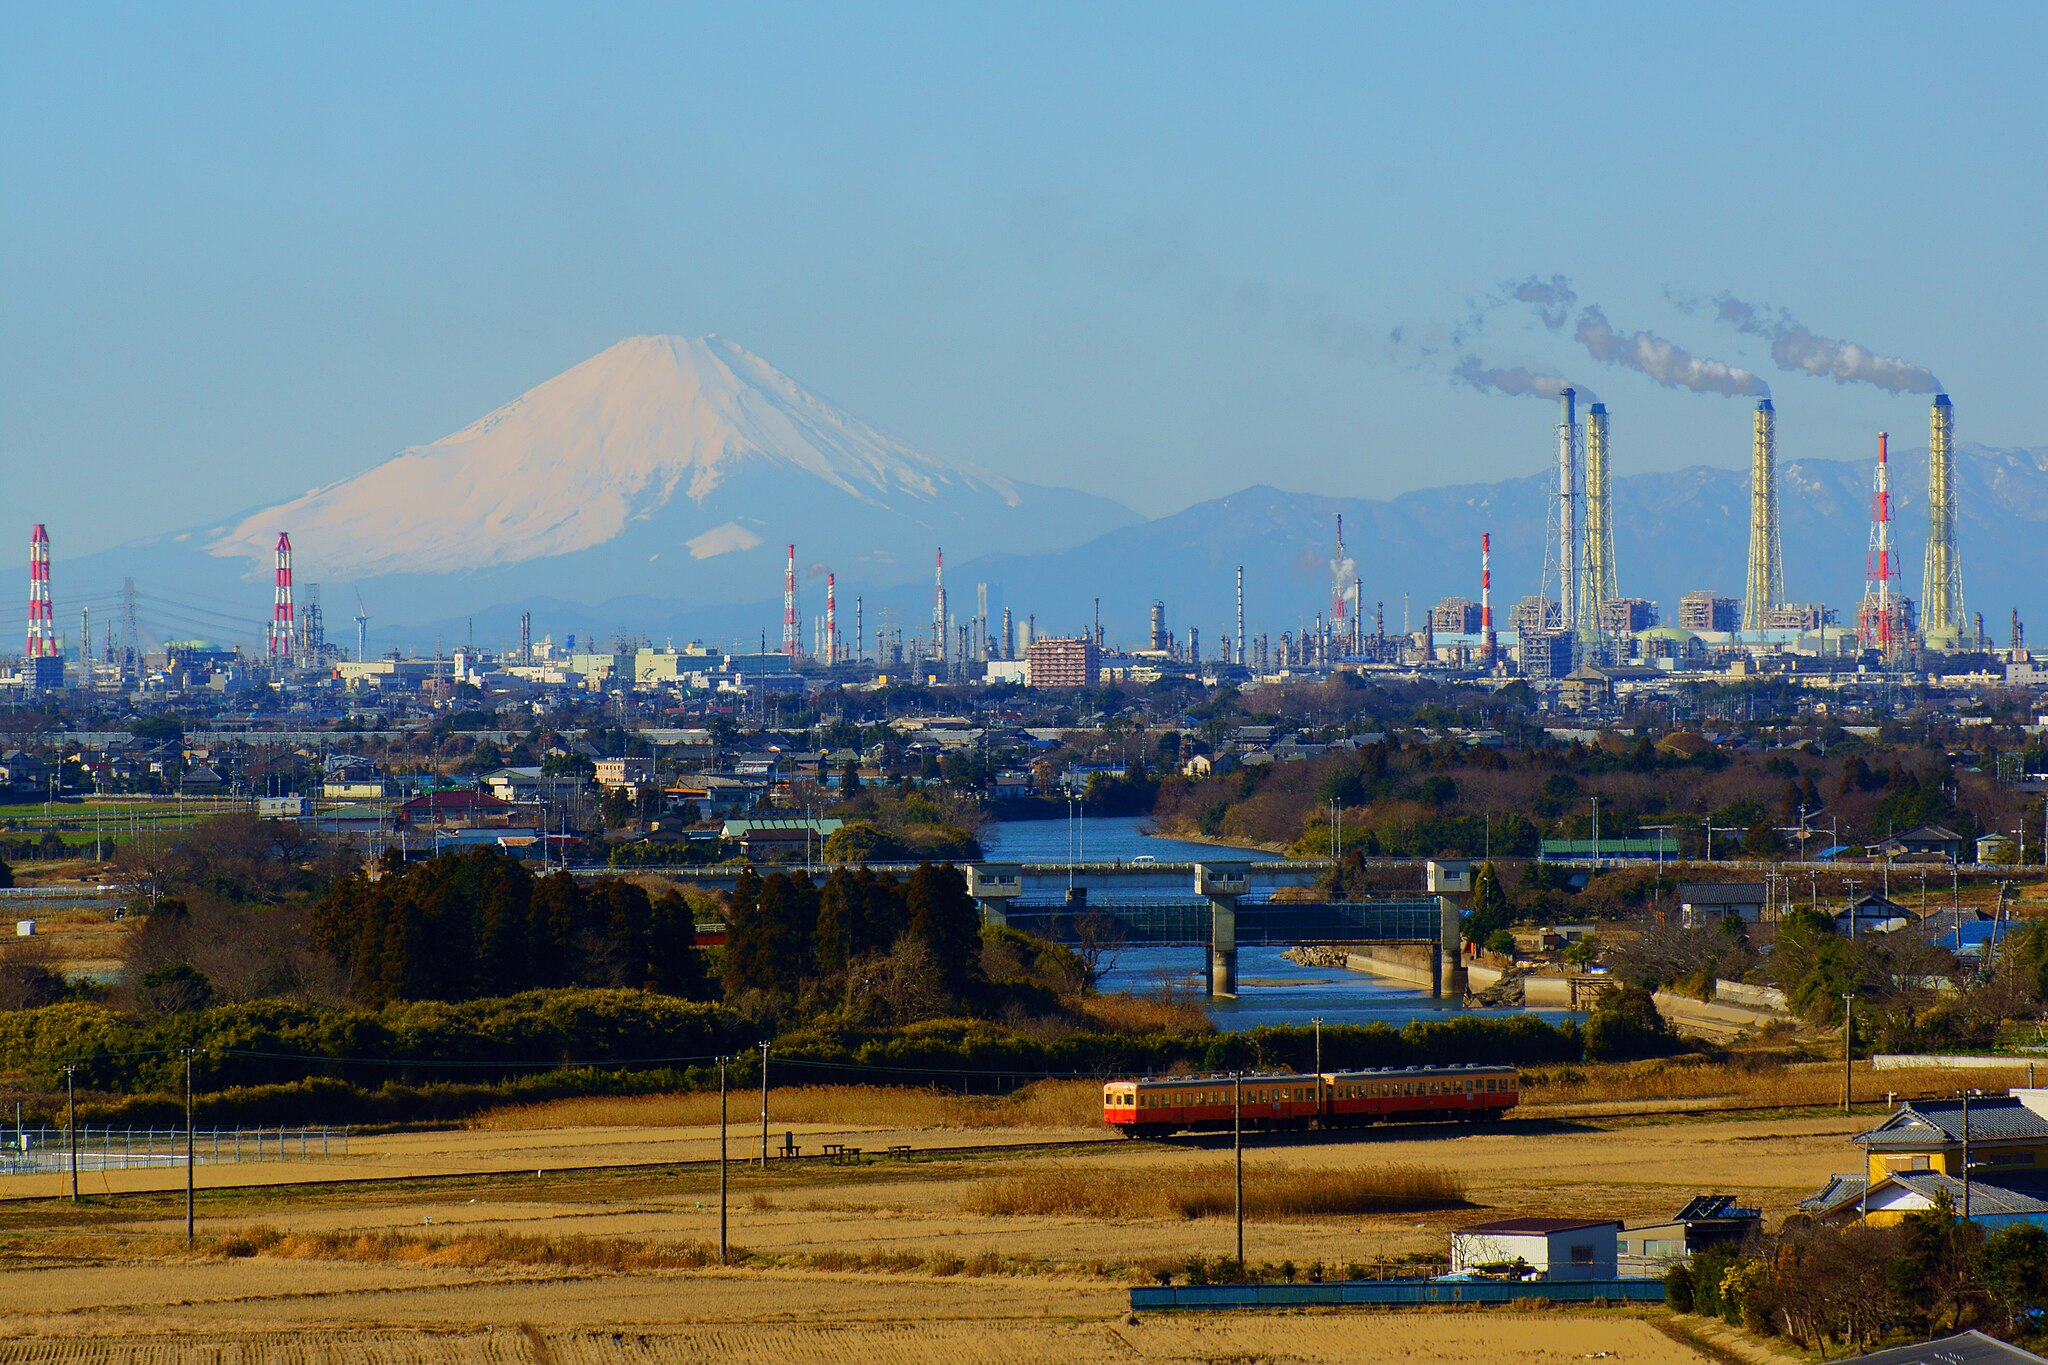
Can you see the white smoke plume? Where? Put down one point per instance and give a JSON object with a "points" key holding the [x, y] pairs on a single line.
{"points": [[1795, 348], [1342, 573], [1516, 382], [1664, 361], [1552, 298]]}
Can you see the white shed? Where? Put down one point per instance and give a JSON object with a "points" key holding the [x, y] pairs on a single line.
{"points": [[1551, 1248]]}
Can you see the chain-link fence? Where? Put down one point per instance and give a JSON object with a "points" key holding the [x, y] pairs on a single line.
{"points": [[31, 1150]]}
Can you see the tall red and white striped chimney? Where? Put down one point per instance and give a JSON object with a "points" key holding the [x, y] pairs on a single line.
{"points": [[42, 624], [282, 627], [1488, 643], [791, 645]]}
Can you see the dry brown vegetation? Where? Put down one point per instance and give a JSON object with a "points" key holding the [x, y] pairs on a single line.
{"points": [[1749, 1082], [474, 1249], [1047, 1104], [1203, 1192]]}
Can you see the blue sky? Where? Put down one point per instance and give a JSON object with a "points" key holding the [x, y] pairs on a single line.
{"points": [[1154, 251]]}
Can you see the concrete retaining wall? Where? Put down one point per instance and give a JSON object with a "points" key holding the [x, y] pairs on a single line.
{"points": [[1756, 997], [1907, 1061]]}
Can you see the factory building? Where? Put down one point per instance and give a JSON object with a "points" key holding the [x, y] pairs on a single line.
{"points": [[1704, 611], [1627, 615], [1797, 616], [1456, 616], [1071, 661], [1534, 615]]}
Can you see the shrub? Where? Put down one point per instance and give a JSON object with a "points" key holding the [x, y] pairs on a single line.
{"points": [[1678, 1289]]}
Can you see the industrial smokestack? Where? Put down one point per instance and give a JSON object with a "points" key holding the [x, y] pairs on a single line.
{"points": [[1599, 586], [1941, 583], [1878, 623], [1488, 642], [1237, 641], [42, 623], [1568, 511], [831, 618], [283, 625], [792, 647], [1764, 588]]}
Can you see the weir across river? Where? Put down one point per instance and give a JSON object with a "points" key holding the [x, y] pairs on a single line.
{"points": [[1222, 912]]}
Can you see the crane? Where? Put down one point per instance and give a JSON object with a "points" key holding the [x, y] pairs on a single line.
{"points": [[362, 630]]}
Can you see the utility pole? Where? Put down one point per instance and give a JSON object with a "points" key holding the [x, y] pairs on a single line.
{"points": [[764, 1107], [1966, 1156], [1318, 1022], [721, 1162], [71, 1126], [1848, 1050], [1237, 1150], [188, 1149]]}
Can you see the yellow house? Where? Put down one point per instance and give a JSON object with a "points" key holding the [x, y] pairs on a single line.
{"points": [[1922, 1149]]}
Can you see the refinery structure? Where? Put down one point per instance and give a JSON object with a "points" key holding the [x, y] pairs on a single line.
{"points": [[1576, 625]]}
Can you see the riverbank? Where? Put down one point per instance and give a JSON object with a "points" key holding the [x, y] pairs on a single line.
{"points": [[1710, 1019]]}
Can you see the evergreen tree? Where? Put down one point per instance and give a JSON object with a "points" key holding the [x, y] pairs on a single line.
{"points": [[884, 914], [744, 969], [555, 919], [674, 966], [943, 917], [840, 903], [1490, 911]]}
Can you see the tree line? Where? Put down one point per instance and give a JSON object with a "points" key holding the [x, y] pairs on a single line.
{"points": [[478, 924]]}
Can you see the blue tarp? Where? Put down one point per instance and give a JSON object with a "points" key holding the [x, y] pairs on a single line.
{"points": [[1395, 1293]]}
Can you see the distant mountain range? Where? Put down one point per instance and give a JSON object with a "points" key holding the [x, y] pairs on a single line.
{"points": [[654, 486], [666, 468], [1674, 532]]}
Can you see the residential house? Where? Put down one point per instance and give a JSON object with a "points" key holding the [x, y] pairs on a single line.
{"points": [[456, 810], [1539, 1248], [1917, 1154], [1708, 1220], [614, 774], [1927, 842], [1872, 914], [1705, 904]]}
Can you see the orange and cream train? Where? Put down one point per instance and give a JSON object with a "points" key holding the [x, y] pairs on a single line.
{"points": [[1335, 1099]]}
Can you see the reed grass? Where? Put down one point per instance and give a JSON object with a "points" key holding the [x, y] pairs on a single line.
{"points": [[1169, 1192], [1790, 1085], [1047, 1104]]}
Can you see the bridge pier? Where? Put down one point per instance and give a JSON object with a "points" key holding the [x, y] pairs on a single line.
{"points": [[1222, 885], [993, 886], [1447, 976]]}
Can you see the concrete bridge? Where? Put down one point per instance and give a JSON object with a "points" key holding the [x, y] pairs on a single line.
{"points": [[1221, 914], [1218, 904]]}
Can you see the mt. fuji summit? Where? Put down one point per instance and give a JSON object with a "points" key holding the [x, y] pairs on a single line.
{"points": [[663, 468]]}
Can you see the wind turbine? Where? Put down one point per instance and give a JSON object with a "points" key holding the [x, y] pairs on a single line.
{"points": [[362, 630]]}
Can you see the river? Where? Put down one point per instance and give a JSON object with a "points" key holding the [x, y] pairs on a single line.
{"points": [[1271, 990]]}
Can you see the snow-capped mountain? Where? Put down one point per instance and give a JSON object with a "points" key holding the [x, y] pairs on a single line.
{"points": [[665, 467]]}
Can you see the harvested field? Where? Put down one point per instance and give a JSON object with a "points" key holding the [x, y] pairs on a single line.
{"points": [[1473, 1339], [1048, 1104], [1162, 1191]]}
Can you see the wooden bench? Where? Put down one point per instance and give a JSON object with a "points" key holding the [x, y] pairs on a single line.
{"points": [[901, 1151]]}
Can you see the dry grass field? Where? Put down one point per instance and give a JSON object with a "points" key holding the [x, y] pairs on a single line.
{"points": [[1443, 1339], [1575, 1089], [1008, 1254], [1049, 1104]]}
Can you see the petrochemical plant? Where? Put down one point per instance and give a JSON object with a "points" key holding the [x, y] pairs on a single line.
{"points": [[1577, 638]]}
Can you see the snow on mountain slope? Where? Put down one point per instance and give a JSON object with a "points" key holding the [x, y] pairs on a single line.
{"points": [[577, 461]]}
